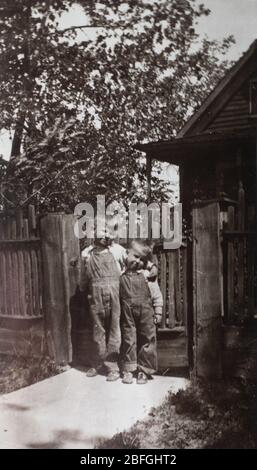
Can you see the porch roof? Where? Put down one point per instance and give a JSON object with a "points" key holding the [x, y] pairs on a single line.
{"points": [[180, 149]]}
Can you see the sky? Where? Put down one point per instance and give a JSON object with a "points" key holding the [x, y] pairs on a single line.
{"points": [[236, 17]]}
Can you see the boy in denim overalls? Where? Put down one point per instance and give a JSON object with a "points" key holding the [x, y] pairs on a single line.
{"points": [[141, 309], [100, 276]]}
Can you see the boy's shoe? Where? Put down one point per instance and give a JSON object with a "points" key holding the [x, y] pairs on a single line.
{"points": [[127, 378], [142, 378], [91, 372], [113, 376]]}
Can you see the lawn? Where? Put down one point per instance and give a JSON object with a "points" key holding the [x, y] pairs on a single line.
{"points": [[206, 415], [17, 372]]}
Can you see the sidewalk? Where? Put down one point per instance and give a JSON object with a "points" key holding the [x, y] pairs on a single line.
{"points": [[73, 411]]}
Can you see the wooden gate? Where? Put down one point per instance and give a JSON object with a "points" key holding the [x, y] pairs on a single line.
{"points": [[173, 333], [60, 249], [239, 243], [240, 263]]}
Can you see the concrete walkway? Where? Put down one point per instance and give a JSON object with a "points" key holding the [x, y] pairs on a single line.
{"points": [[73, 411]]}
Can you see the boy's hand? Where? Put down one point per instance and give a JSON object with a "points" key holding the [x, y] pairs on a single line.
{"points": [[157, 318], [153, 273]]}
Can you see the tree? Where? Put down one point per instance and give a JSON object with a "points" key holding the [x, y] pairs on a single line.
{"points": [[77, 108]]}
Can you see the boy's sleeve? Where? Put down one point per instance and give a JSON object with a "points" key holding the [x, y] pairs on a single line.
{"points": [[156, 296], [123, 258], [85, 255]]}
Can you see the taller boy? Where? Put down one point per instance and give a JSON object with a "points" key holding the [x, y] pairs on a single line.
{"points": [[101, 269]]}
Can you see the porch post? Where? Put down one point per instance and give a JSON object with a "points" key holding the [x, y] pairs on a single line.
{"points": [[207, 303]]}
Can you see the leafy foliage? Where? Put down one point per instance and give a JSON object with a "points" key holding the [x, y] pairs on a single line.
{"points": [[77, 106], [3, 169]]}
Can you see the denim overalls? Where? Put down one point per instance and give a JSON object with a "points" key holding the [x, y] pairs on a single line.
{"points": [[137, 325], [104, 305]]}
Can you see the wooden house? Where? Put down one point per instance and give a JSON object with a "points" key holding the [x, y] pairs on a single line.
{"points": [[216, 148], [216, 152]]}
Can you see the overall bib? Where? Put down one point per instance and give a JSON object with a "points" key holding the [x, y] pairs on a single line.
{"points": [[104, 307], [137, 325]]}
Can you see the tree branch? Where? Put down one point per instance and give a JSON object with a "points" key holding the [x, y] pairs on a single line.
{"points": [[45, 185], [6, 199], [88, 26]]}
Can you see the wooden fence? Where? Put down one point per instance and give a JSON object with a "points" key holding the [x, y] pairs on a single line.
{"points": [[38, 278], [20, 267], [173, 272], [240, 263]]}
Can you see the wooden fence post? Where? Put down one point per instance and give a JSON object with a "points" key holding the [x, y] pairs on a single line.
{"points": [[230, 265], [163, 285], [171, 290], [60, 249], [207, 292]]}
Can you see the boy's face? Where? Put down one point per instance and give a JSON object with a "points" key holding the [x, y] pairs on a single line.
{"points": [[103, 237], [134, 260]]}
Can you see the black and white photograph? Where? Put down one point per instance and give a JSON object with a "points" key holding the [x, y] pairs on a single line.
{"points": [[128, 228]]}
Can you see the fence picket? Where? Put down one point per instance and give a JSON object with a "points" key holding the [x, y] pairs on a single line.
{"points": [[163, 286], [15, 280], [177, 280], [35, 285], [28, 283], [22, 288], [3, 283], [25, 229], [8, 229], [9, 284], [2, 287], [32, 220], [19, 222], [185, 297], [171, 290], [13, 229], [1, 229]]}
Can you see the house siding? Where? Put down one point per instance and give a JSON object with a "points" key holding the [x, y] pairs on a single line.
{"points": [[235, 115]]}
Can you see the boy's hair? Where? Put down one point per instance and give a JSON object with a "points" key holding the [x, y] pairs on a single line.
{"points": [[143, 247]]}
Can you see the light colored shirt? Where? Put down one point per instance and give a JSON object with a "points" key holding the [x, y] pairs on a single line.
{"points": [[118, 251], [155, 291], [120, 254]]}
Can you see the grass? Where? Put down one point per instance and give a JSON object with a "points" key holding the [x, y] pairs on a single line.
{"points": [[205, 415], [17, 372]]}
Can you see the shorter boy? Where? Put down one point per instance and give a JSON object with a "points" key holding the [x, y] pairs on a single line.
{"points": [[141, 309]]}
